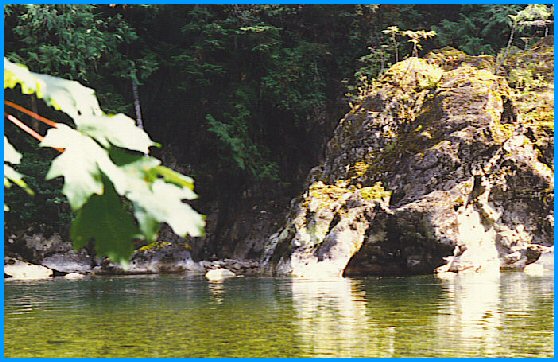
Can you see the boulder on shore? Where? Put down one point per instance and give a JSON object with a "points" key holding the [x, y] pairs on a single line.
{"points": [[219, 274], [20, 270]]}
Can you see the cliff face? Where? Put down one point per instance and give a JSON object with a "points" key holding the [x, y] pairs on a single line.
{"points": [[443, 164]]}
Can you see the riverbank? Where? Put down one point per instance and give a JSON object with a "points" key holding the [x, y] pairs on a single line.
{"points": [[17, 269]]}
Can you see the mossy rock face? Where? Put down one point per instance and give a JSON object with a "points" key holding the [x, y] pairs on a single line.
{"points": [[530, 74], [449, 58], [524, 66], [442, 159]]}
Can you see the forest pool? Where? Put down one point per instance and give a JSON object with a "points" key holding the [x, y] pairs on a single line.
{"points": [[508, 315]]}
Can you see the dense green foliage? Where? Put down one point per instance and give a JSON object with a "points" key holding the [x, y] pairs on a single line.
{"points": [[75, 42], [242, 94], [478, 29]]}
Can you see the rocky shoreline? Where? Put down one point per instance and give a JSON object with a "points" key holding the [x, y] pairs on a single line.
{"points": [[39, 257], [15, 269], [58, 260]]}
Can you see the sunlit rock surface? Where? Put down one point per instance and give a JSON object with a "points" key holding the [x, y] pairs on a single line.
{"points": [[74, 276], [219, 274], [442, 166], [20, 270]]}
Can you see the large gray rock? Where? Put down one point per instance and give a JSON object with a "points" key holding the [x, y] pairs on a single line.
{"points": [[71, 261], [160, 257], [50, 251], [441, 165]]}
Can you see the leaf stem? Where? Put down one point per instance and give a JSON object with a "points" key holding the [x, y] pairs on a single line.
{"points": [[27, 129], [38, 117]]}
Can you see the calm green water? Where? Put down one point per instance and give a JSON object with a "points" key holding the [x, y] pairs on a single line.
{"points": [[172, 316]]}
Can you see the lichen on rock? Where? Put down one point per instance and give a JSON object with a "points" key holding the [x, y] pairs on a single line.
{"points": [[443, 166]]}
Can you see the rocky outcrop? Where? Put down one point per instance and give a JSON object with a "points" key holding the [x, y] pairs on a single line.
{"points": [[164, 258], [51, 251], [443, 165], [171, 258]]}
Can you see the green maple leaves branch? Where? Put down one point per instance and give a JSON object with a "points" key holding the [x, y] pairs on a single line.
{"points": [[105, 162]]}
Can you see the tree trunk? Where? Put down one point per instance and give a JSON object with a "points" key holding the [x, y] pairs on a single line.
{"points": [[501, 61], [137, 105]]}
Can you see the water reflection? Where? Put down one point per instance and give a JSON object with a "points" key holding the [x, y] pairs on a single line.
{"points": [[327, 309], [217, 291], [522, 292], [510, 315], [472, 312]]}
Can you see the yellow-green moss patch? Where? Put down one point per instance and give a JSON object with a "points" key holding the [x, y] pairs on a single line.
{"points": [[376, 192]]}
